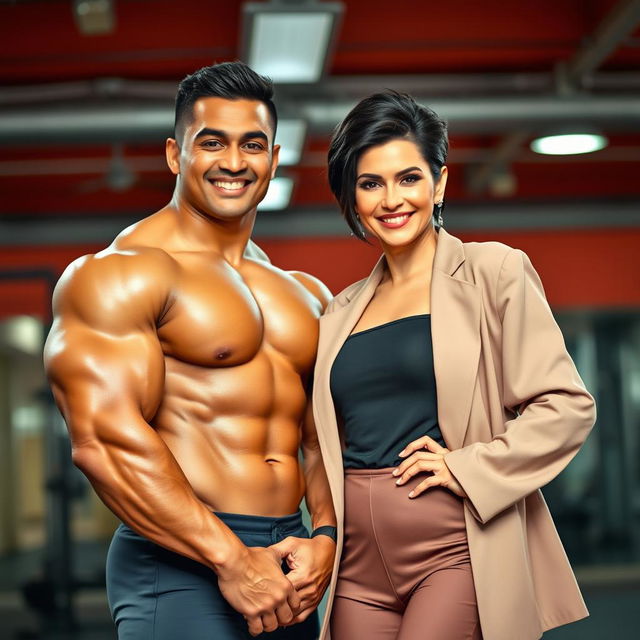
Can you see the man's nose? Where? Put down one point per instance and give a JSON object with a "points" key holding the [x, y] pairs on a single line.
{"points": [[232, 160]]}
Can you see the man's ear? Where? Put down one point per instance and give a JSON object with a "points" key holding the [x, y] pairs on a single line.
{"points": [[275, 156], [172, 151]]}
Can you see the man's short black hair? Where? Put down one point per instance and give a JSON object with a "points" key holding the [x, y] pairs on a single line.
{"points": [[376, 120], [230, 80]]}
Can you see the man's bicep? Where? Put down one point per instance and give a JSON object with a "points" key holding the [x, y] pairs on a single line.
{"points": [[99, 379]]}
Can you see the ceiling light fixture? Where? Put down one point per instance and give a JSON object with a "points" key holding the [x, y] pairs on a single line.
{"points": [[23, 333], [290, 42], [569, 144], [290, 136], [278, 194], [94, 17]]}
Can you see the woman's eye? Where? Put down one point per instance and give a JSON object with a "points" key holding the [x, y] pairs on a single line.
{"points": [[368, 184], [411, 179]]}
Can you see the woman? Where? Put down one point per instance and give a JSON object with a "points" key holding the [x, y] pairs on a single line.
{"points": [[444, 399]]}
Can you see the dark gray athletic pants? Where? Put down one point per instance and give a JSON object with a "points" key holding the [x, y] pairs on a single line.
{"points": [[155, 594]]}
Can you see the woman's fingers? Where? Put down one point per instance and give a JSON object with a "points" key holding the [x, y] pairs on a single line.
{"points": [[431, 461], [432, 481], [416, 445], [425, 442], [417, 460], [420, 466], [420, 455]]}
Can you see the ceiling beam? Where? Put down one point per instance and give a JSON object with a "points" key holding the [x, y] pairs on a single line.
{"points": [[340, 87], [618, 25]]}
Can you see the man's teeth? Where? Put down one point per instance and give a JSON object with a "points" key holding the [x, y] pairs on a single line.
{"points": [[228, 185]]}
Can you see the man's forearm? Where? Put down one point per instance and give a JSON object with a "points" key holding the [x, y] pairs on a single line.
{"points": [[318, 493], [140, 481]]}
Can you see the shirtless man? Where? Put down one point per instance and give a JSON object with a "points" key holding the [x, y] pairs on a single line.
{"points": [[180, 359]]}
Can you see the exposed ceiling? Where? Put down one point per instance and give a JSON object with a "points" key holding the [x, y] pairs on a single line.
{"points": [[500, 72]]}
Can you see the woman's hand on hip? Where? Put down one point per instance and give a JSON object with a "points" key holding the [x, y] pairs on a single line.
{"points": [[425, 455]]}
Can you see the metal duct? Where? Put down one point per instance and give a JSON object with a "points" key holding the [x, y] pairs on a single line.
{"points": [[151, 121], [503, 113]]}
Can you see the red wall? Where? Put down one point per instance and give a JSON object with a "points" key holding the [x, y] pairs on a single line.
{"points": [[579, 268], [595, 268]]}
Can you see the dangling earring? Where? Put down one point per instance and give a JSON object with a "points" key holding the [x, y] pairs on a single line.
{"points": [[437, 213]]}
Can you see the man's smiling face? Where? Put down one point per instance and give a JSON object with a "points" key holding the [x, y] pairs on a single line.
{"points": [[226, 157]]}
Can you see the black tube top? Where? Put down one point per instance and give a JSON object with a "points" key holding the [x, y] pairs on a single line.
{"points": [[384, 388]]}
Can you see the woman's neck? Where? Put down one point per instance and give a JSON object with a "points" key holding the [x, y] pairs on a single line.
{"points": [[416, 260]]}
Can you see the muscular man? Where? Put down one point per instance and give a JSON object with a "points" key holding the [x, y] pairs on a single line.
{"points": [[180, 359]]}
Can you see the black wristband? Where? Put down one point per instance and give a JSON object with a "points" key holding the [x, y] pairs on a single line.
{"points": [[331, 532]]}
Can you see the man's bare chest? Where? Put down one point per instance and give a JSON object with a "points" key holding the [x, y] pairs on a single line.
{"points": [[219, 317]]}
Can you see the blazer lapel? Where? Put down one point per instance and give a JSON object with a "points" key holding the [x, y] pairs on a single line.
{"points": [[335, 328], [455, 332]]}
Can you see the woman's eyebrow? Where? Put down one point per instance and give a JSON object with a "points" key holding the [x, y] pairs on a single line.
{"points": [[375, 176]]}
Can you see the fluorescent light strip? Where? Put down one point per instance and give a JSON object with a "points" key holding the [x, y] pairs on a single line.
{"points": [[290, 136], [278, 194], [290, 47], [569, 144]]}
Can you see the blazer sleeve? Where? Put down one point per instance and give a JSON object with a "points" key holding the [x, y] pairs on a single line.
{"points": [[541, 387]]}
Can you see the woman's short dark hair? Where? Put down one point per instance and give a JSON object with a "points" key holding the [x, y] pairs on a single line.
{"points": [[376, 120], [230, 80]]}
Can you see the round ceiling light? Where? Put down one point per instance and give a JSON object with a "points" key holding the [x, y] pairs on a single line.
{"points": [[569, 144]]}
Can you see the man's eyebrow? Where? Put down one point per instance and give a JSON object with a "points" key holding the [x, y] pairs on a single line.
{"points": [[255, 134], [219, 133], [375, 176]]}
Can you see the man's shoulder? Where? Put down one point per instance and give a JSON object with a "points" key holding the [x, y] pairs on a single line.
{"points": [[314, 286], [116, 278], [121, 263], [254, 252], [293, 280]]}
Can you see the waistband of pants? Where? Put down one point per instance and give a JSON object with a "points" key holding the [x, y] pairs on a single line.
{"points": [[260, 524], [386, 471]]}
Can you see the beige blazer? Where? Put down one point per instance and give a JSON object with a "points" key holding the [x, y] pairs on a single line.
{"points": [[512, 410]]}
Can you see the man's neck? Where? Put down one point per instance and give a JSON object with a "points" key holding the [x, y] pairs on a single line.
{"points": [[199, 231]]}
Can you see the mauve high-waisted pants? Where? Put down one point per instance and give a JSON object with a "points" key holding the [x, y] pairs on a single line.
{"points": [[405, 572]]}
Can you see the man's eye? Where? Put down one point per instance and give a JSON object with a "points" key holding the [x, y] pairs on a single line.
{"points": [[254, 146], [211, 143]]}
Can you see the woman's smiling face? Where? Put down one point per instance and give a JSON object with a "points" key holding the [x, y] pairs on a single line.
{"points": [[396, 193]]}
